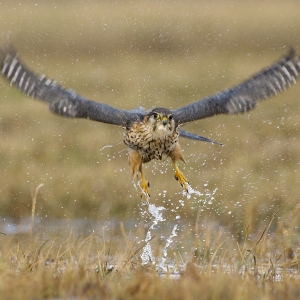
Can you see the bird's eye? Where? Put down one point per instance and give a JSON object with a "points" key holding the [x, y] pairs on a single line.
{"points": [[155, 115], [170, 117]]}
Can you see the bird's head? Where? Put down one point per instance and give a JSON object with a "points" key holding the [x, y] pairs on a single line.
{"points": [[161, 121]]}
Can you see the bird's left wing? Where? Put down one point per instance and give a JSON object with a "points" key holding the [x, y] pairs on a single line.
{"points": [[64, 102], [244, 96]]}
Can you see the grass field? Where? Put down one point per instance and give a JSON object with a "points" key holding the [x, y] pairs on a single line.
{"points": [[150, 53]]}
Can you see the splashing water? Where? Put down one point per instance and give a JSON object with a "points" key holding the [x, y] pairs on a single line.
{"points": [[147, 255], [107, 146], [191, 192], [200, 198], [169, 241], [155, 212], [154, 215]]}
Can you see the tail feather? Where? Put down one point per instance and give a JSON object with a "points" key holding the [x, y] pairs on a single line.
{"points": [[192, 136]]}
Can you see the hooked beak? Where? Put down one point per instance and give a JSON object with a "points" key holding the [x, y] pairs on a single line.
{"points": [[165, 121]]}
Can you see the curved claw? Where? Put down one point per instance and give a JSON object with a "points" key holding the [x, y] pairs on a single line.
{"points": [[145, 185], [181, 178]]}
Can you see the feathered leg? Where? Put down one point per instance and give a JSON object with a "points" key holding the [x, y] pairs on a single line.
{"points": [[136, 163]]}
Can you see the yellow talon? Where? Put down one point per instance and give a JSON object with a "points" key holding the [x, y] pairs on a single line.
{"points": [[181, 178], [145, 188], [177, 155]]}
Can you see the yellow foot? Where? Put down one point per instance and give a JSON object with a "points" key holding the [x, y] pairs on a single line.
{"points": [[145, 185], [181, 179]]}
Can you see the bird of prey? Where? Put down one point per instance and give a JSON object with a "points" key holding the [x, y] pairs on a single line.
{"points": [[152, 134]]}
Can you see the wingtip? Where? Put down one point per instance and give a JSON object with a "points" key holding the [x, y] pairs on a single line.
{"points": [[5, 50], [8, 48], [291, 54]]}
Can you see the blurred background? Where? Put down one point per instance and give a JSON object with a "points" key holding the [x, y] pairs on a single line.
{"points": [[151, 54]]}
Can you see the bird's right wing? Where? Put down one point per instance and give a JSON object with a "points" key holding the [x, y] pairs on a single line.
{"points": [[64, 102], [244, 96]]}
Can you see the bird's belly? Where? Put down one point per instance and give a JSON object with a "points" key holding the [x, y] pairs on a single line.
{"points": [[152, 149], [157, 149]]}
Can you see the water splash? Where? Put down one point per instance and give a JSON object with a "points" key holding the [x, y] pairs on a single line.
{"points": [[147, 255], [156, 215], [165, 252], [107, 146], [209, 196], [191, 192], [138, 188], [204, 198]]}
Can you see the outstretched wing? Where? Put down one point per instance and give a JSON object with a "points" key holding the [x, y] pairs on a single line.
{"points": [[62, 101], [244, 96]]}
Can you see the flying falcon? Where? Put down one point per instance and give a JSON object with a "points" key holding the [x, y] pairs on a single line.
{"points": [[152, 134]]}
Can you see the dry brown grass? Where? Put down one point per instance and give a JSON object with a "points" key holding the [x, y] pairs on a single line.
{"points": [[101, 266]]}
